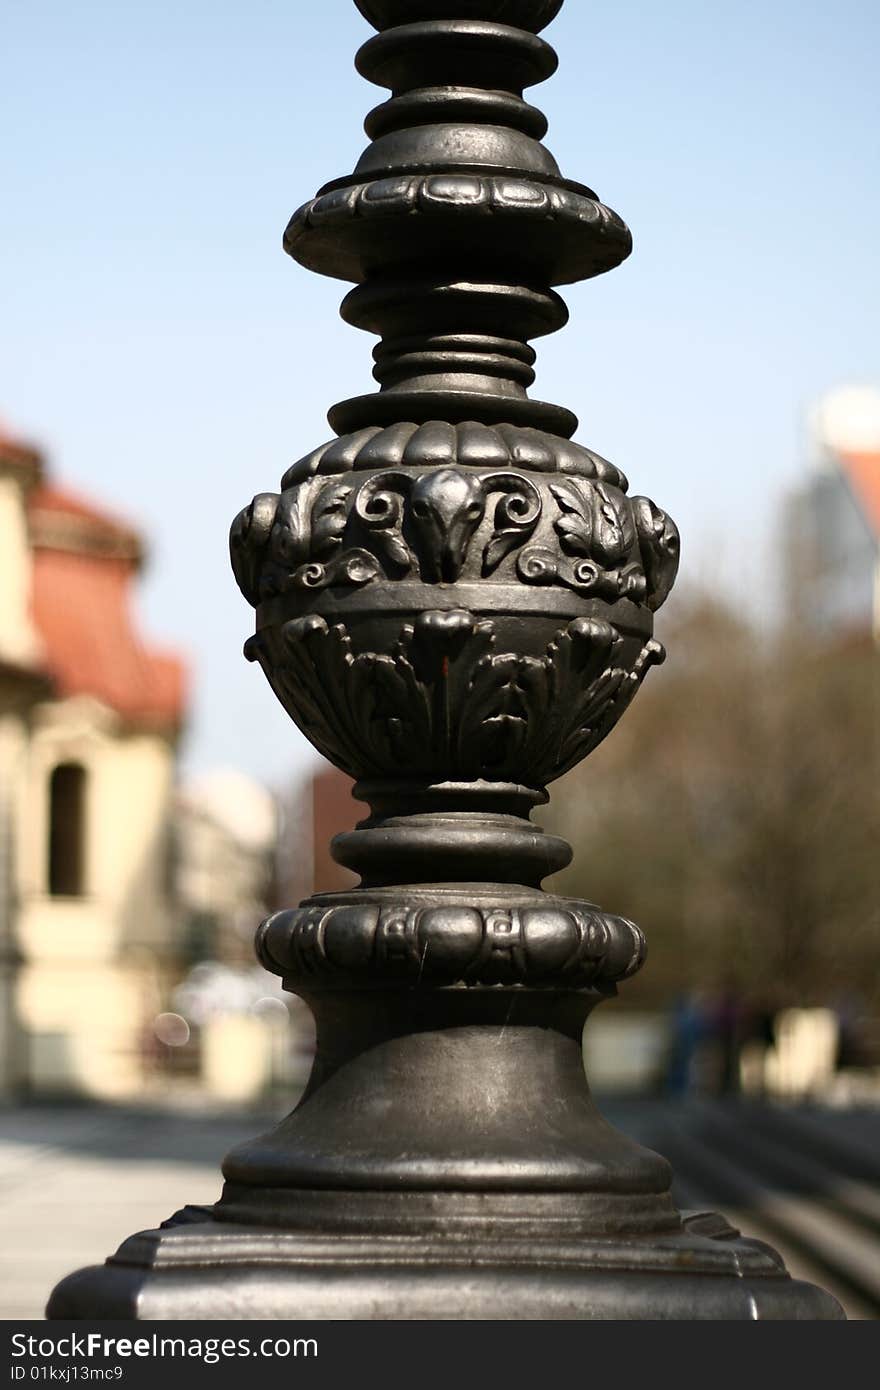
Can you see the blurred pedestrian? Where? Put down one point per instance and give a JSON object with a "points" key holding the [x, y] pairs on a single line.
{"points": [[688, 1029]]}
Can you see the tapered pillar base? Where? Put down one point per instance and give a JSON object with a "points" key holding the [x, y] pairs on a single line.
{"points": [[447, 1161], [197, 1267]]}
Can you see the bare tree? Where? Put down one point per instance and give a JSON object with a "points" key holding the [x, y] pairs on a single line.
{"points": [[736, 815]]}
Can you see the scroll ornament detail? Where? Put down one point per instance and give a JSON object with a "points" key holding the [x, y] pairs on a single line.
{"points": [[447, 523]]}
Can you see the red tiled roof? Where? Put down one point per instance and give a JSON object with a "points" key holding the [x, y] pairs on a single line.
{"points": [[83, 563], [63, 520], [863, 472]]}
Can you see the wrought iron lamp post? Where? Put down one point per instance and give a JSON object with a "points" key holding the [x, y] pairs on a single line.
{"points": [[455, 604]]}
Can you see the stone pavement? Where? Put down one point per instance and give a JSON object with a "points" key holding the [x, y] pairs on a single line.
{"points": [[76, 1180]]}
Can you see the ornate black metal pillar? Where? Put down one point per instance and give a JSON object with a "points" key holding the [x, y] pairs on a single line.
{"points": [[455, 604]]}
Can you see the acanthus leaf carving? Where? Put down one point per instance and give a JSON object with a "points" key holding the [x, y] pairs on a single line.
{"points": [[660, 548], [595, 521], [444, 702], [291, 541], [248, 541], [313, 682], [498, 717], [604, 701], [328, 519]]}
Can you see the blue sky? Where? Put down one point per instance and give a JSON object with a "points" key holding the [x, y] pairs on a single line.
{"points": [[158, 343]]}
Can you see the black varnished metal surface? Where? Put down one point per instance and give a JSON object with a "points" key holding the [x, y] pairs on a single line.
{"points": [[455, 604]]}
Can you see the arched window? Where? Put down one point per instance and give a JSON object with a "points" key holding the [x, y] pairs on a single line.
{"points": [[67, 830]]}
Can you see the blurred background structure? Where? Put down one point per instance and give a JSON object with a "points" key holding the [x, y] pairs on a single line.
{"points": [[123, 896], [90, 716], [749, 779], [155, 805], [833, 555]]}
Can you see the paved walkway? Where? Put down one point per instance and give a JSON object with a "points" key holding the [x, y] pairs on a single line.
{"points": [[75, 1182]]}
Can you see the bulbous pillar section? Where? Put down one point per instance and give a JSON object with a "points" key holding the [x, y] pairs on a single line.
{"points": [[455, 603]]}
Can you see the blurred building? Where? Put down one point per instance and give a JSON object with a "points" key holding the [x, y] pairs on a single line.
{"points": [[321, 807], [225, 839], [244, 1035], [89, 720], [834, 541], [334, 809]]}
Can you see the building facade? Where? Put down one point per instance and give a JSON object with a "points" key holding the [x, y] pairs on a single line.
{"points": [[89, 720], [225, 847]]}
